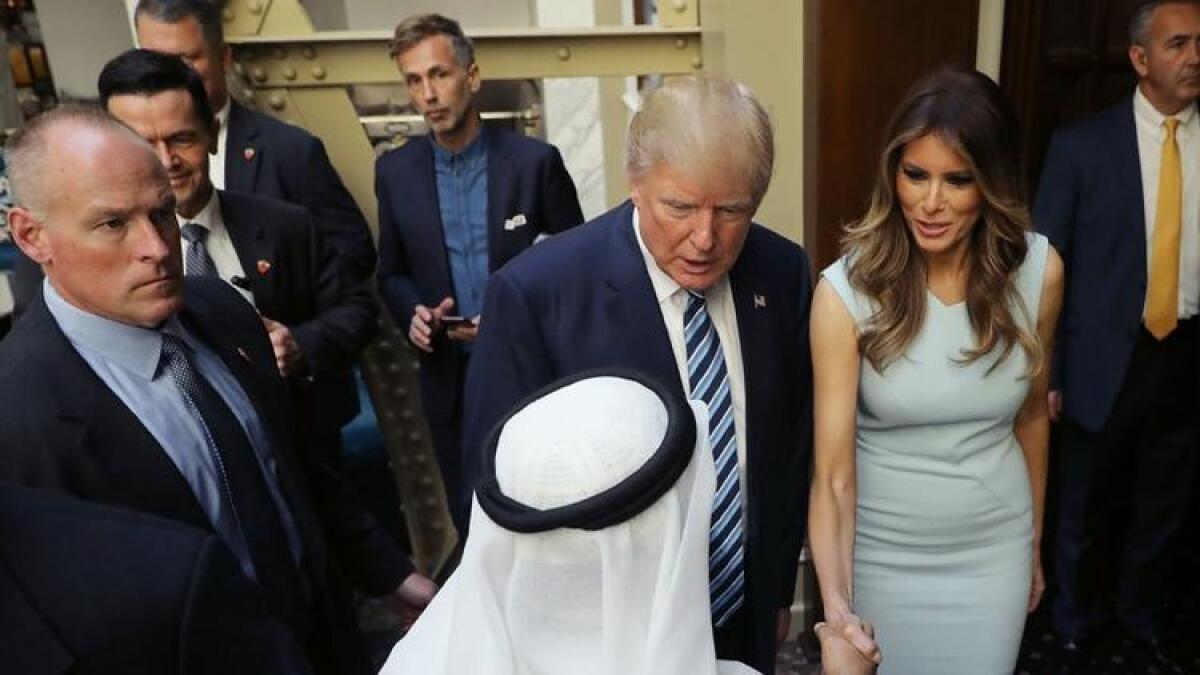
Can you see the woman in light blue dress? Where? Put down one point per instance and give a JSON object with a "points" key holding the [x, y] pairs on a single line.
{"points": [[931, 339]]}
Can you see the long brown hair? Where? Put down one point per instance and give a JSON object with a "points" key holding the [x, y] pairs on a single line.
{"points": [[968, 112]]}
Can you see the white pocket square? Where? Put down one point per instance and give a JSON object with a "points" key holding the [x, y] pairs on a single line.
{"points": [[515, 222]]}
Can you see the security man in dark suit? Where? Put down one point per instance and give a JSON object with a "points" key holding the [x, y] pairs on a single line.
{"points": [[1120, 199], [256, 153], [680, 285], [318, 319], [91, 590], [454, 207], [129, 384]]}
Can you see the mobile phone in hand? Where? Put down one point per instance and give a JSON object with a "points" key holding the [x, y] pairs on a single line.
{"points": [[452, 321]]}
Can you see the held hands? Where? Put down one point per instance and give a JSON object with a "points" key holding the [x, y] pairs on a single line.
{"points": [[858, 634], [838, 656], [288, 357], [410, 599]]}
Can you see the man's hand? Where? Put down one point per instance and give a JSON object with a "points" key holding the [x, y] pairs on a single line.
{"points": [[1054, 401], [288, 357], [465, 332], [838, 656], [411, 598], [425, 322]]}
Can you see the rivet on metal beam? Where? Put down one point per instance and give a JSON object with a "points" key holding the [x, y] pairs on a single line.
{"points": [[279, 53], [255, 7], [289, 73], [564, 53], [697, 62], [228, 15], [277, 101], [259, 74], [308, 53], [318, 73], [680, 43], [679, 5]]}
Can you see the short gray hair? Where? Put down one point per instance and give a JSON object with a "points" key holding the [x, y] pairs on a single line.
{"points": [[28, 149], [696, 121], [414, 29], [1139, 23]]}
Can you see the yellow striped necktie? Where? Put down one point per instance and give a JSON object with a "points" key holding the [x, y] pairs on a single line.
{"points": [[1162, 294]]}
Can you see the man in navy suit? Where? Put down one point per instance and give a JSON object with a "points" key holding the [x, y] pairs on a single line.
{"points": [[454, 207], [1120, 200], [129, 384], [680, 285], [88, 589], [256, 153]]}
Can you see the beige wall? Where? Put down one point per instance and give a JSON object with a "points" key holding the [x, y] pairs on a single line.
{"points": [[761, 44], [80, 38]]}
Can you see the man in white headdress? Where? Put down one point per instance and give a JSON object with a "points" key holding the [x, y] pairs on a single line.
{"points": [[588, 550]]}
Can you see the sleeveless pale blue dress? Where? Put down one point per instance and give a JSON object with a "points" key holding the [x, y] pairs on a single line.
{"points": [[944, 531]]}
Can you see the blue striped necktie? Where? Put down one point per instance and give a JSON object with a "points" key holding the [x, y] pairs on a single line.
{"points": [[199, 263], [710, 383]]}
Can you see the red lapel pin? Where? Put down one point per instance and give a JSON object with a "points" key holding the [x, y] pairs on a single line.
{"points": [[264, 266], [248, 153]]}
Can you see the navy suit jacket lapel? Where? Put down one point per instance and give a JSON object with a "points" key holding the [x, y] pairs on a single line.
{"points": [[427, 213], [1126, 165], [500, 202], [251, 243], [242, 156], [635, 322], [27, 643], [750, 302]]}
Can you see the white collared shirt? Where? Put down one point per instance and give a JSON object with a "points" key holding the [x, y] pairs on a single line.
{"points": [[672, 301], [219, 245], [216, 163], [1151, 132]]}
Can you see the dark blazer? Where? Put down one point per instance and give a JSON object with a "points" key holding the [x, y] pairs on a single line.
{"points": [[525, 177], [270, 158], [1089, 205], [584, 300], [91, 590], [63, 429], [331, 315]]}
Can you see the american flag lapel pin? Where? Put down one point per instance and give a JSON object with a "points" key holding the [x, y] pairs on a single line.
{"points": [[760, 301], [263, 266], [248, 154]]}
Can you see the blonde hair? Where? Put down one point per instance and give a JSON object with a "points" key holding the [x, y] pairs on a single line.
{"points": [[968, 112], [696, 121]]}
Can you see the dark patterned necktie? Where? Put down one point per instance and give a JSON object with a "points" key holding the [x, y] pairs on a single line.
{"points": [[244, 485], [710, 383], [199, 263]]}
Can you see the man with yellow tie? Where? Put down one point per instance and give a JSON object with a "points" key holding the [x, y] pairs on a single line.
{"points": [[1119, 198]]}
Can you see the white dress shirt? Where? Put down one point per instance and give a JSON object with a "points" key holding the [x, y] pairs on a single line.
{"points": [[1151, 132], [216, 163], [219, 245], [672, 301]]}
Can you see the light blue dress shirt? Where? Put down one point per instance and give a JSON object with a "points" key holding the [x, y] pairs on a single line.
{"points": [[126, 358], [462, 187]]}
